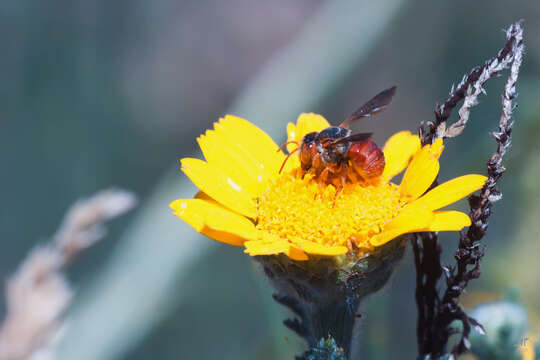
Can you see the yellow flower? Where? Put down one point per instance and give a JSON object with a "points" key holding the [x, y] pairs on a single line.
{"points": [[245, 201], [527, 348]]}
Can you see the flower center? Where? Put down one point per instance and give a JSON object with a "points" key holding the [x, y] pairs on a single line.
{"points": [[299, 209]]}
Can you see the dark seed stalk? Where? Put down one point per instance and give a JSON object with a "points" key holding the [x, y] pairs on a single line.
{"points": [[436, 311]]}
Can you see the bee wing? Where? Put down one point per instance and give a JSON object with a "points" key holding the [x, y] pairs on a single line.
{"points": [[377, 104], [351, 138]]}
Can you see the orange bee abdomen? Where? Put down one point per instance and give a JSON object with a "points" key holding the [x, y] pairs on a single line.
{"points": [[367, 159]]}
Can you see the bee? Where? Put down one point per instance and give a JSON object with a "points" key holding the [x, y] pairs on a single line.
{"points": [[334, 154]]}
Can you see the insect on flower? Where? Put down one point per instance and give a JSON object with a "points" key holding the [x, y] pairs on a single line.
{"points": [[334, 155], [243, 200]]}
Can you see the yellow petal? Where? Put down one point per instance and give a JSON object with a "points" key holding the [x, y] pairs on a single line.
{"points": [[449, 221], [527, 349], [219, 186], [319, 249], [291, 136], [451, 191], [437, 147], [306, 123], [269, 244], [422, 171], [221, 153], [293, 162], [398, 151], [257, 247], [214, 221], [297, 254], [254, 144], [408, 221]]}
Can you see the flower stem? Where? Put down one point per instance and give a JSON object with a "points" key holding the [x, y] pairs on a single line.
{"points": [[324, 293], [336, 320]]}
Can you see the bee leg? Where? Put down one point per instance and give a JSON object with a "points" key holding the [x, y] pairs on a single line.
{"points": [[324, 175], [316, 165], [338, 190], [322, 180], [308, 169], [352, 174], [342, 180], [350, 245]]}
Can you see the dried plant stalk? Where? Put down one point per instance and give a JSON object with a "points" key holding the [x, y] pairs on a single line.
{"points": [[470, 87], [436, 312], [37, 294]]}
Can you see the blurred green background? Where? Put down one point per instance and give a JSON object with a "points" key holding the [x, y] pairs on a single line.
{"points": [[100, 93]]}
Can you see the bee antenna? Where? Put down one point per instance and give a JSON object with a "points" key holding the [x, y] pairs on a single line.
{"points": [[287, 158], [287, 143]]}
